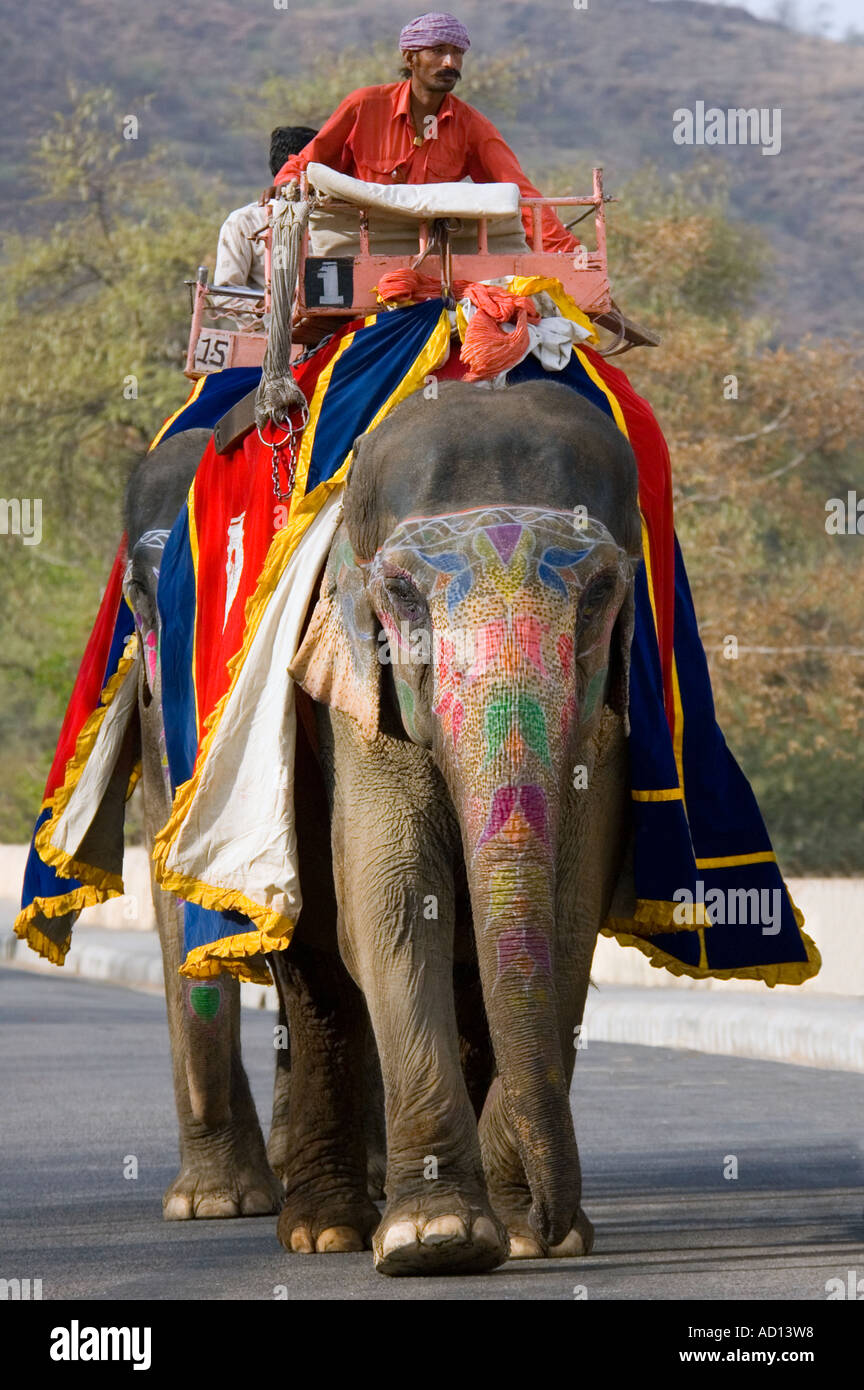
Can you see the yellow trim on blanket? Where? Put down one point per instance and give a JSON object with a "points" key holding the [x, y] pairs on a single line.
{"points": [[193, 396], [703, 951], [655, 912], [664, 794], [273, 930], [595, 376], [75, 901], [109, 885], [728, 861], [790, 973], [53, 951], [435, 352], [304, 458], [649, 573], [235, 953]]}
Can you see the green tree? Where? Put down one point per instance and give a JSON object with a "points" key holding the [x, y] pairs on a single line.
{"points": [[761, 437], [93, 316]]}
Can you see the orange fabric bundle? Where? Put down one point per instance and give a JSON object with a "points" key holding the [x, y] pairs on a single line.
{"points": [[487, 349], [412, 285]]}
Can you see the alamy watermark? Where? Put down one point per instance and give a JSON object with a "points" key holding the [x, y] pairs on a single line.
{"points": [[415, 646], [737, 125], [746, 907], [21, 516], [845, 515], [77, 1343]]}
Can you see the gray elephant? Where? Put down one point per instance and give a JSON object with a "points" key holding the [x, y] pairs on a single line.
{"points": [[463, 820]]}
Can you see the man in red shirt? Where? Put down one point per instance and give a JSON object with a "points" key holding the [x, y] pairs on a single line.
{"points": [[415, 131]]}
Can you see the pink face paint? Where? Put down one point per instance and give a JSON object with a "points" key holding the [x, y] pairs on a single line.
{"points": [[488, 644], [532, 801], [150, 652], [456, 721], [568, 714], [503, 801], [529, 634], [524, 949]]}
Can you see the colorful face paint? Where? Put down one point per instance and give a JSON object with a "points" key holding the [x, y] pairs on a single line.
{"points": [[503, 586]]}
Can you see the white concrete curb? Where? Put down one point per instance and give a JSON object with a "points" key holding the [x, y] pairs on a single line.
{"points": [[142, 970], [810, 1033]]}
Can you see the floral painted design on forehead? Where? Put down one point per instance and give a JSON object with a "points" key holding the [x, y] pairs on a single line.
{"points": [[509, 546]]}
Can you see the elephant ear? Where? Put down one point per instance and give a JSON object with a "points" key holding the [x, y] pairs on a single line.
{"points": [[337, 661], [622, 638]]}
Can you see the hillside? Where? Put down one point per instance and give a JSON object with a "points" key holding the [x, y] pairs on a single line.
{"points": [[609, 79]]}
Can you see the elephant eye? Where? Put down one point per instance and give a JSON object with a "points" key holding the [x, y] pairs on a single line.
{"points": [[596, 596], [405, 596]]}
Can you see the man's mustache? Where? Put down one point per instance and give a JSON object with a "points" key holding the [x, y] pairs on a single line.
{"points": [[449, 72]]}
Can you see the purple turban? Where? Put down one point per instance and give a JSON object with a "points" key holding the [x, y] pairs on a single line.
{"points": [[428, 30]]}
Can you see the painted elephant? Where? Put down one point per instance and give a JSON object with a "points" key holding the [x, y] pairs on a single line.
{"points": [[462, 793]]}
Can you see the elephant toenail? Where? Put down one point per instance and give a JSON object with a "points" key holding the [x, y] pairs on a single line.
{"points": [[442, 1228], [301, 1241], [399, 1235]]}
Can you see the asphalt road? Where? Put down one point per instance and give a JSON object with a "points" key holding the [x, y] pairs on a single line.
{"points": [[85, 1081]]}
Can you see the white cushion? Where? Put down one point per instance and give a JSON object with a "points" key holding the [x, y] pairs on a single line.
{"points": [[420, 200]]}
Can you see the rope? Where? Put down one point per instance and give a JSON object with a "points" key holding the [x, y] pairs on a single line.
{"points": [[278, 393]]}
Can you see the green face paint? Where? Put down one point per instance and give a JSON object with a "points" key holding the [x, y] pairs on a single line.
{"points": [[521, 713], [405, 696], [596, 686]]}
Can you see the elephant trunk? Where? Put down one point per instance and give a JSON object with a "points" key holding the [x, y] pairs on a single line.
{"points": [[512, 882]]}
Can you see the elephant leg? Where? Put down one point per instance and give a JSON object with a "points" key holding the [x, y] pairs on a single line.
{"points": [[393, 852], [303, 993], [373, 1119], [223, 1166], [281, 1135], [322, 1152], [280, 1128]]}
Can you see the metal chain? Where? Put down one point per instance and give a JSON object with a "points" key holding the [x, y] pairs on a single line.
{"points": [[293, 434], [290, 440], [291, 471]]}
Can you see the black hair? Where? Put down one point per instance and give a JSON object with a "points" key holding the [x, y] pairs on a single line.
{"points": [[286, 140]]}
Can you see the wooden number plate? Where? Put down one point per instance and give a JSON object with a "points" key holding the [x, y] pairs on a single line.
{"points": [[329, 283], [213, 351]]}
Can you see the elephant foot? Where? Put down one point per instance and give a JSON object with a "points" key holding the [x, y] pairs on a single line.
{"points": [[446, 1236], [525, 1244], [224, 1175], [330, 1224], [206, 1194]]}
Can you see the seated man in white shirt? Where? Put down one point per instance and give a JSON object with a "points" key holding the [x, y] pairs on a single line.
{"points": [[239, 260]]}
